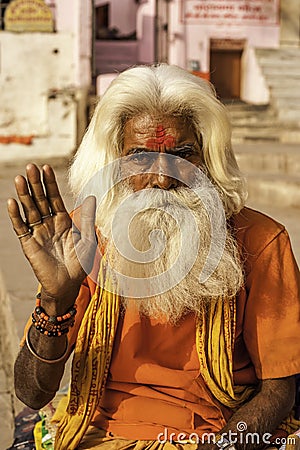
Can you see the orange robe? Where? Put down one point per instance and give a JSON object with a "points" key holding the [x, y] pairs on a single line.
{"points": [[154, 385]]}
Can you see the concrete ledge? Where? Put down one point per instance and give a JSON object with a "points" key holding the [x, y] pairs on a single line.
{"points": [[9, 345], [41, 149]]}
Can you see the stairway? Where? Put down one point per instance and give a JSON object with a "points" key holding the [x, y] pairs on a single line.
{"points": [[280, 120], [252, 123], [265, 137], [281, 69], [272, 170]]}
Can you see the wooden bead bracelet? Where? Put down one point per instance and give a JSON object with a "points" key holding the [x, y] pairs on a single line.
{"points": [[52, 325]]}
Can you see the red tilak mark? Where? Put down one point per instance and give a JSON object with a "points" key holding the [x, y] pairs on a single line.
{"points": [[161, 138]]}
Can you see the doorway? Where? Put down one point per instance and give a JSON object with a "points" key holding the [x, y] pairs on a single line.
{"points": [[102, 14], [225, 67]]}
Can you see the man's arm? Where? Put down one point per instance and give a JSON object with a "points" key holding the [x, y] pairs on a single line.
{"points": [[36, 382], [262, 414], [59, 253]]}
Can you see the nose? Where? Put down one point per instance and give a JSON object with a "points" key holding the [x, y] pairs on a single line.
{"points": [[164, 173], [164, 182]]}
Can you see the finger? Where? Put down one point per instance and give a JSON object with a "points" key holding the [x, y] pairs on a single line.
{"points": [[37, 191], [52, 191], [19, 226], [31, 212]]}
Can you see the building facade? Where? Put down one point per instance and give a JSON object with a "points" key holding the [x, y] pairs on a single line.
{"points": [[46, 75], [215, 39]]}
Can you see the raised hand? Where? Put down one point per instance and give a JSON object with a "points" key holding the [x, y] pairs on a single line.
{"points": [[47, 237]]}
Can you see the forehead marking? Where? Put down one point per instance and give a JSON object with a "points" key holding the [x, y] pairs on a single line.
{"points": [[161, 138]]}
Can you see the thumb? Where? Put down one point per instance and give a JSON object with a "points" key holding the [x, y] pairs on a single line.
{"points": [[85, 240], [87, 220]]}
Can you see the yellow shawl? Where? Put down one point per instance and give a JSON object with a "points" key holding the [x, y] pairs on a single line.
{"points": [[215, 332]]}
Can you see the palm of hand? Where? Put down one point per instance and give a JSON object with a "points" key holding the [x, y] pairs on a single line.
{"points": [[55, 248]]}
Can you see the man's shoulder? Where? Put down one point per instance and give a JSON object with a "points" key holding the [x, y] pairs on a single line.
{"points": [[248, 219], [254, 230]]}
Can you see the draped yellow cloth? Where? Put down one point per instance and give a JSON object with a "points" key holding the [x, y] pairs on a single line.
{"points": [[215, 333], [90, 364], [96, 439]]}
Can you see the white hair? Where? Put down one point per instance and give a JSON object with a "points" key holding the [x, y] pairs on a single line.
{"points": [[162, 90]]}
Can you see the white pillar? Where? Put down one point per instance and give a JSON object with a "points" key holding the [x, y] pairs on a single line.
{"points": [[75, 17], [145, 29]]}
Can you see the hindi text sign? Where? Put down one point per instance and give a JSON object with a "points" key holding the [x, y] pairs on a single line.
{"points": [[230, 12]]}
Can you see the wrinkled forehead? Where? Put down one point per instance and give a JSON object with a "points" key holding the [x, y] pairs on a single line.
{"points": [[150, 131]]}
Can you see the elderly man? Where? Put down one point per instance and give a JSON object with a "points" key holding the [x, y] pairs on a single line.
{"points": [[185, 331]]}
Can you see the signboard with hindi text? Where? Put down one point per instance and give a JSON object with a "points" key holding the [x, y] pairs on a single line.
{"points": [[28, 16], [230, 12]]}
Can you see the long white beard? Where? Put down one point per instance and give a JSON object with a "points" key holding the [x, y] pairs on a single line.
{"points": [[160, 250]]}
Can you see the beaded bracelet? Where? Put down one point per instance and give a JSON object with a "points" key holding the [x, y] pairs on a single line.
{"points": [[52, 325]]}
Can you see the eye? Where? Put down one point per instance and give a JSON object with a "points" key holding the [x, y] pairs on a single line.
{"points": [[141, 158], [185, 151]]}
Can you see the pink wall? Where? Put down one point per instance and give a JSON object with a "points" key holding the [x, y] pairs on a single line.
{"points": [[122, 17], [191, 28]]}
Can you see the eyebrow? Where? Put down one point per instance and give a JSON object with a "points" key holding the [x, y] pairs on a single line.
{"points": [[177, 149]]}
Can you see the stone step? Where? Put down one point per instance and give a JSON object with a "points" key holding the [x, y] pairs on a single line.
{"points": [[290, 135], [272, 189], [256, 120], [287, 102], [286, 92], [271, 159], [289, 114], [268, 115], [277, 81], [285, 135], [280, 55], [287, 64], [246, 133], [239, 105], [285, 110], [284, 76], [243, 115], [277, 70], [281, 51]]}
